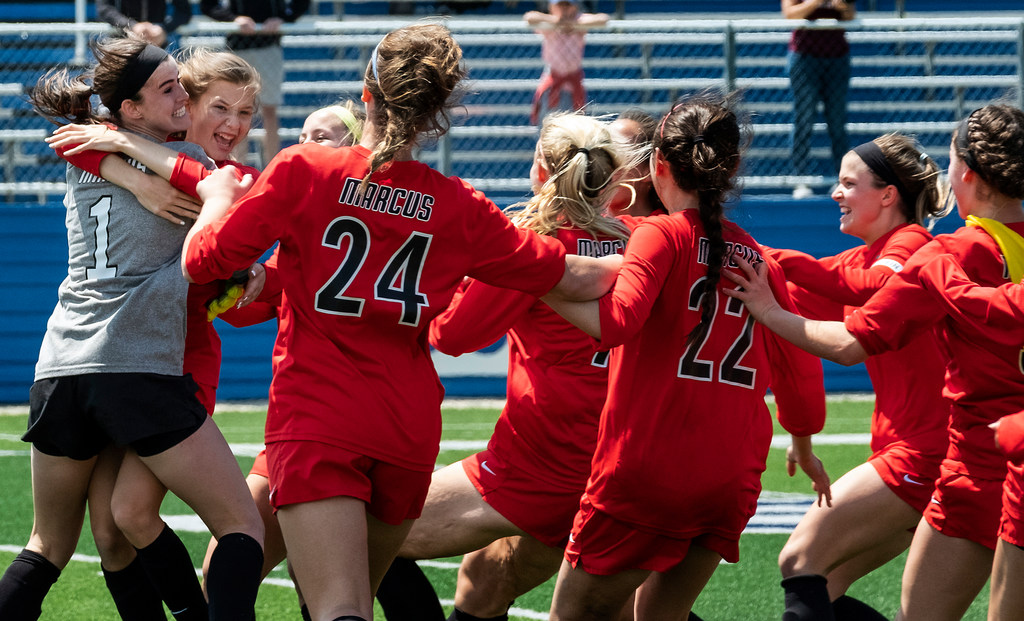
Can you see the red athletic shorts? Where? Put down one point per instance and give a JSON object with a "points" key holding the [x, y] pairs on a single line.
{"points": [[966, 507], [908, 473], [1011, 524], [532, 504], [259, 466], [304, 471], [603, 546]]}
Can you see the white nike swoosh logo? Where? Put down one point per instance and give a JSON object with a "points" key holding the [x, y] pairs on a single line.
{"points": [[907, 478], [483, 466]]}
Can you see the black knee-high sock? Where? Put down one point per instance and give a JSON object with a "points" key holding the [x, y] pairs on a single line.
{"points": [[24, 586], [304, 613], [807, 599], [847, 608], [693, 617], [406, 594], [134, 595], [459, 615], [171, 572], [234, 577]]}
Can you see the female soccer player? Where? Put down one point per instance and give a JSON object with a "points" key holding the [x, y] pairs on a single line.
{"points": [[635, 195], [686, 391], [511, 506], [886, 189], [223, 92], [92, 391], [984, 381], [338, 125], [373, 246], [998, 311]]}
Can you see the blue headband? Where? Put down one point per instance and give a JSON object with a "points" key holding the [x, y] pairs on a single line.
{"points": [[373, 60]]}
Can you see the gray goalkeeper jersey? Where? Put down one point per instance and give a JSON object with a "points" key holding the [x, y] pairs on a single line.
{"points": [[122, 306]]}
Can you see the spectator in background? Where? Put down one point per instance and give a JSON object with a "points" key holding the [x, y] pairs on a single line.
{"points": [[819, 70], [146, 18], [258, 41], [564, 30]]}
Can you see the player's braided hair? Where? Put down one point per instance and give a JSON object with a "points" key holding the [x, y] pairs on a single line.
{"points": [[200, 67], [700, 138], [414, 81], [582, 160], [918, 173], [995, 136], [62, 98]]}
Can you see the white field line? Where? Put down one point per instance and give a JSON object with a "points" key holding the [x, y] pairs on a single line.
{"points": [[449, 404], [777, 513]]}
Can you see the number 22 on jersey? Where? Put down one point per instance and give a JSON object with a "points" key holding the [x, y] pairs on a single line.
{"points": [[691, 366]]}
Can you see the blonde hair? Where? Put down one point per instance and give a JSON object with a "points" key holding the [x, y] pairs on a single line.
{"points": [[351, 116], [582, 159], [199, 67]]}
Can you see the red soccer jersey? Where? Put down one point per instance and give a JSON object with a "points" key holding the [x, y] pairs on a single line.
{"points": [[685, 431], [909, 408], [202, 343], [363, 275], [984, 379], [1011, 437], [557, 381], [999, 311]]}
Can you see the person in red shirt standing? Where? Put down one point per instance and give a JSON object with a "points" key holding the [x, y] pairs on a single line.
{"points": [[686, 391], [952, 550], [373, 245], [997, 311], [886, 189], [512, 501]]}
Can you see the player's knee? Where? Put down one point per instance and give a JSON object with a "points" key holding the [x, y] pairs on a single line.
{"points": [[136, 520], [114, 549], [789, 560]]}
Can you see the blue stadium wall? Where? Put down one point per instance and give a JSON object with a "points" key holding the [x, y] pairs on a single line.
{"points": [[35, 261]]}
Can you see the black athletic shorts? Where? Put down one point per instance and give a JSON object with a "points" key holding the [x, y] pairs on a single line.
{"points": [[77, 416]]}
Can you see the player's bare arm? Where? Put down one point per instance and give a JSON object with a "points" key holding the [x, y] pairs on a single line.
{"points": [[155, 156], [825, 339], [218, 191], [800, 453]]}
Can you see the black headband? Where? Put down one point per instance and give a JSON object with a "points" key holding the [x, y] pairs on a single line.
{"points": [[963, 145], [136, 74], [875, 160]]}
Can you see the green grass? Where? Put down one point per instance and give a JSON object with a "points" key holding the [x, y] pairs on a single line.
{"points": [[746, 591]]}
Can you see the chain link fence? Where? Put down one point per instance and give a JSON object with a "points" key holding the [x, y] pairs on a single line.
{"points": [[916, 76]]}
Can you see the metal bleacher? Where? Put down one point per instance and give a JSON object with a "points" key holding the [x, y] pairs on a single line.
{"points": [[916, 75]]}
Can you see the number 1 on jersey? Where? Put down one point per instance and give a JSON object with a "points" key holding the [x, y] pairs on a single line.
{"points": [[101, 211]]}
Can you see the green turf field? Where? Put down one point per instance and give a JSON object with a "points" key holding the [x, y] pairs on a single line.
{"points": [[746, 591]]}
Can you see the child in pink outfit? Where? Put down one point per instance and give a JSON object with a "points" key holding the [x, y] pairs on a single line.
{"points": [[564, 29]]}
